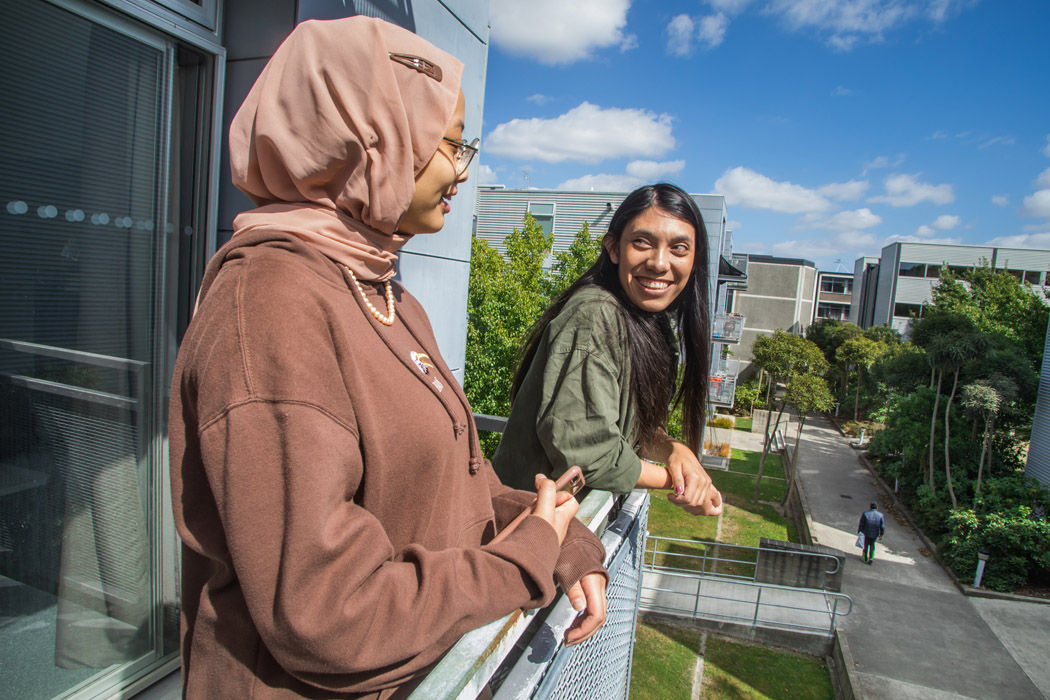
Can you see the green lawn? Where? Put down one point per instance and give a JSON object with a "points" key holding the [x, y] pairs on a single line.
{"points": [[734, 671], [664, 659], [743, 521], [746, 461], [743, 424]]}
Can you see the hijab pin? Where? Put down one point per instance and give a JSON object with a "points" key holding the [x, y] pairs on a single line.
{"points": [[418, 63]]}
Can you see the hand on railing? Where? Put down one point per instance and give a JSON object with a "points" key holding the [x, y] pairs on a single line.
{"points": [[588, 597], [556, 507]]}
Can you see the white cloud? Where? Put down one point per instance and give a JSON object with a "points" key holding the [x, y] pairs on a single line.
{"points": [[852, 220], [712, 30], [1043, 181], [1003, 140], [637, 173], [881, 162], [946, 222], [1022, 240], [1000, 200], [1037, 204], [920, 239], [937, 135], [680, 35], [653, 170], [587, 133], [844, 191], [538, 99], [555, 32], [905, 191], [486, 175], [842, 91], [846, 23], [734, 226], [629, 42], [753, 190], [1046, 148]]}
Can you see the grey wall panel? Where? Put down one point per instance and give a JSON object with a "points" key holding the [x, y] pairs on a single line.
{"points": [[240, 76], [914, 290], [1022, 259], [1038, 465], [255, 29], [773, 279], [886, 288], [441, 287], [765, 313], [938, 254]]}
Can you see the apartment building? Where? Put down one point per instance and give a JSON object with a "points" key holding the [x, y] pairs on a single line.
{"points": [[894, 288]]}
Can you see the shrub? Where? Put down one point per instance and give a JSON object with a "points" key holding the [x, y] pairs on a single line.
{"points": [[1017, 542], [722, 422]]}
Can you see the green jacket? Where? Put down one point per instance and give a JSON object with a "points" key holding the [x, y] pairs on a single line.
{"points": [[574, 405]]}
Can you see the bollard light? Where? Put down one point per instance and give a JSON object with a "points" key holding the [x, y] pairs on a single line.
{"points": [[982, 559]]}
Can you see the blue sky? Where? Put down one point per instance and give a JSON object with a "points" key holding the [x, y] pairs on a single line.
{"points": [[833, 127]]}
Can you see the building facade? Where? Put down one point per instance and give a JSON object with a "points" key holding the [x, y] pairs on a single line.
{"points": [[781, 294], [834, 295], [114, 191], [905, 274], [1038, 463]]}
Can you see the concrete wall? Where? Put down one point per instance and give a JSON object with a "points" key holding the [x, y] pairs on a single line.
{"points": [[779, 295], [1038, 465], [434, 268]]}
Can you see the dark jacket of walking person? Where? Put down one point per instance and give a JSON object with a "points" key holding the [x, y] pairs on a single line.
{"points": [[872, 525]]}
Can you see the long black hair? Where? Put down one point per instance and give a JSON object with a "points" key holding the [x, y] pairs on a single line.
{"points": [[652, 346]]}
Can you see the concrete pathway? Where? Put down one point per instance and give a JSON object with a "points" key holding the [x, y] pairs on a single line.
{"points": [[912, 634]]}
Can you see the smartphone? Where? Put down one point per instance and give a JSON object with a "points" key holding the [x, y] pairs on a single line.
{"points": [[571, 482]]}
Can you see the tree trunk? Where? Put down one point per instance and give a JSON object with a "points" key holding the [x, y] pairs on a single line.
{"points": [[947, 440], [933, 427], [980, 462], [794, 459], [856, 398], [765, 450]]}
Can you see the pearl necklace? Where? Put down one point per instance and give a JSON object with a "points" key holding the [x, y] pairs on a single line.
{"points": [[391, 311]]}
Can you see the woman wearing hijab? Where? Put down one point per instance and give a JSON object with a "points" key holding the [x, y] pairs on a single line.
{"points": [[328, 485], [599, 370]]}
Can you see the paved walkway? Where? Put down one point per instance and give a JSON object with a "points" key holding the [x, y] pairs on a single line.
{"points": [[912, 634]]}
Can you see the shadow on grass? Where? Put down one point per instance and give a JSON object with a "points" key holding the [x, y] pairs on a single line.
{"points": [[734, 670], [664, 658]]}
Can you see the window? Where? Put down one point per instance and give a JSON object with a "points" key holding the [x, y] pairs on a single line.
{"points": [[836, 285], [909, 269], [1033, 277], [933, 271], [101, 196], [839, 312], [907, 310], [543, 212]]}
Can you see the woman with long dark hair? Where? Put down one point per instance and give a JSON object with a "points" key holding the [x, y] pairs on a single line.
{"points": [[599, 373]]}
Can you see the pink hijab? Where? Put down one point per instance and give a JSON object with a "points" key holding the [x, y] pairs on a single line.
{"points": [[332, 135]]}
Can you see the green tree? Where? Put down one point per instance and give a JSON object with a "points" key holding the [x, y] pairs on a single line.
{"points": [[859, 352], [783, 357], [998, 304], [571, 263], [505, 297]]}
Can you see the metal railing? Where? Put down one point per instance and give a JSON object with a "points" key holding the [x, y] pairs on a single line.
{"points": [[746, 602], [710, 561], [711, 585], [727, 328]]}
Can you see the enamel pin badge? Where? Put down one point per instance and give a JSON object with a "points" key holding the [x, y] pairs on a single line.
{"points": [[426, 366]]}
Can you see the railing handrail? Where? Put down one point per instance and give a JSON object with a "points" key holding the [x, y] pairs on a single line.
{"points": [[831, 609], [656, 539], [467, 667]]}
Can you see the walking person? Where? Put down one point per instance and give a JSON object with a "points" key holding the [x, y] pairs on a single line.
{"points": [[872, 525]]}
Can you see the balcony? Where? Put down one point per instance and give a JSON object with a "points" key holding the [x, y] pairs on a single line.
{"points": [[733, 271], [721, 389], [727, 328], [522, 655]]}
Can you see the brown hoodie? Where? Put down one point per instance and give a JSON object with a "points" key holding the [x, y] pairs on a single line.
{"points": [[327, 481]]}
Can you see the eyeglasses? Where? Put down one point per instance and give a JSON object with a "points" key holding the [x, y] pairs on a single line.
{"points": [[463, 154]]}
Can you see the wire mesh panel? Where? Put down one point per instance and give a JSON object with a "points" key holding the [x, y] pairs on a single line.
{"points": [[600, 667]]}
